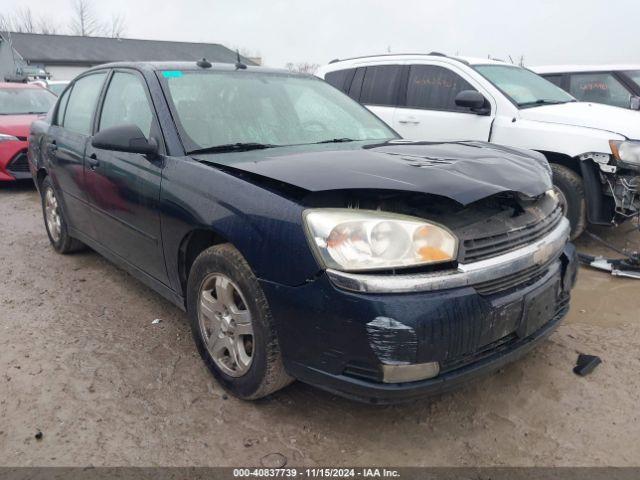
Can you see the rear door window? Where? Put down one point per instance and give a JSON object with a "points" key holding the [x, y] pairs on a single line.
{"points": [[431, 87], [380, 85], [356, 84], [82, 103], [555, 79], [599, 88], [62, 106], [341, 79]]}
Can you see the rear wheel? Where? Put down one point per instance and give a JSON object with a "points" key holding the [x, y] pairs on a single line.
{"points": [[232, 325], [570, 190], [55, 222]]}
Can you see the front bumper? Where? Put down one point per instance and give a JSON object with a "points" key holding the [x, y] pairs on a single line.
{"points": [[326, 336], [13, 161]]}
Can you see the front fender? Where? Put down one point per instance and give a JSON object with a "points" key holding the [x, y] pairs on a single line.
{"points": [[264, 226], [552, 137]]}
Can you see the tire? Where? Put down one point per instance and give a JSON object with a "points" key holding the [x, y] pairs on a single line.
{"points": [[568, 184], [216, 272], [55, 222]]}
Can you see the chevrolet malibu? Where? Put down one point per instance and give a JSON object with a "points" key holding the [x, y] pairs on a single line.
{"points": [[302, 236]]}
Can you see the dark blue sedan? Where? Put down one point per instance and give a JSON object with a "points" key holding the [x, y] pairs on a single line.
{"points": [[302, 236]]}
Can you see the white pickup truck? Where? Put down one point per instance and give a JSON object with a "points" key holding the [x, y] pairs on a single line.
{"points": [[593, 149]]}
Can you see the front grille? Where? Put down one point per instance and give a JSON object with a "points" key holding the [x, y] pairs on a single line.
{"points": [[20, 163], [520, 279], [481, 248]]}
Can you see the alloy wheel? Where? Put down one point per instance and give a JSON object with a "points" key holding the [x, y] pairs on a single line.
{"points": [[226, 324], [52, 214]]}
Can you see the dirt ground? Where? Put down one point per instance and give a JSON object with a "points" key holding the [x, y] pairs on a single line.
{"points": [[81, 361]]}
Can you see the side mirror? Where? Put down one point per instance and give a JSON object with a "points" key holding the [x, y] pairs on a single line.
{"points": [[474, 101], [125, 138], [634, 103]]}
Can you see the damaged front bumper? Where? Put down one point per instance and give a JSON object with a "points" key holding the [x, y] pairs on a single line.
{"points": [[353, 334]]}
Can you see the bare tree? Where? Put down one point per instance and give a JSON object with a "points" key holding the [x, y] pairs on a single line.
{"points": [[85, 23], [6, 22], [47, 26], [118, 26], [303, 67], [23, 21]]}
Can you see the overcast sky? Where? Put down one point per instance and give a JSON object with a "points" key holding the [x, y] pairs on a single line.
{"points": [[316, 31]]}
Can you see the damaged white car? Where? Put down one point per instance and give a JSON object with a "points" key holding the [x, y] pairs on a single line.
{"points": [[593, 149]]}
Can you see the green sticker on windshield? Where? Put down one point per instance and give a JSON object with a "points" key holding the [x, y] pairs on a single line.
{"points": [[172, 74]]}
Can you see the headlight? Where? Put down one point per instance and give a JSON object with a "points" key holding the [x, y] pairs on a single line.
{"points": [[8, 138], [627, 152], [347, 239]]}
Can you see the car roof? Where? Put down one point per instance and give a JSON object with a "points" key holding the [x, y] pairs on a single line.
{"points": [[417, 56], [188, 66], [4, 85], [583, 68]]}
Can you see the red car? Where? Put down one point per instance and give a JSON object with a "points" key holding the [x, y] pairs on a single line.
{"points": [[20, 105]]}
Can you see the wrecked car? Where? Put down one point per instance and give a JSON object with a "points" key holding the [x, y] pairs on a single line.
{"points": [[593, 149], [302, 236]]}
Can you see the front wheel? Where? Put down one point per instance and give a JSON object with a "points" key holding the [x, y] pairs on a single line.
{"points": [[570, 190], [55, 222], [232, 325]]}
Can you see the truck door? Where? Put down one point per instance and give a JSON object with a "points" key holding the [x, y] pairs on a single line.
{"points": [[427, 109]]}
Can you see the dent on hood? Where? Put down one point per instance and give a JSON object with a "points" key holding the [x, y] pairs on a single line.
{"points": [[462, 172]]}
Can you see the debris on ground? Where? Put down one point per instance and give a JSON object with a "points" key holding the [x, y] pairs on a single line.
{"points": [[39, 435], [273, 460], [250, 442], [586, 364], [156, 321]]}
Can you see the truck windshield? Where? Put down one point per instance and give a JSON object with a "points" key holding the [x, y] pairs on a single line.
{"points": [[635, 76], [244, 108], [23, 101], [523, 87]]}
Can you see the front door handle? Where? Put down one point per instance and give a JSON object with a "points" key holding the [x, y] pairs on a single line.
{"points": [[407, 121], [93, 161]]}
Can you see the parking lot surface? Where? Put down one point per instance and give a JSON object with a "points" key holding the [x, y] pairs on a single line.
{"points": [[82, 361]]}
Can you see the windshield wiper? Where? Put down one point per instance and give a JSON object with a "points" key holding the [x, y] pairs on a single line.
{"points": [[542, 101], [232, 147], [337, 140]]}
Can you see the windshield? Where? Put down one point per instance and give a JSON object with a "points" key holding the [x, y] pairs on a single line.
{"points": [[522, 86], [274, 109], [22, 101], [634, 75]]}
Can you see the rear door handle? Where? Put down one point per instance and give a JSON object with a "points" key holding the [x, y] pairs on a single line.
{"points": [[93, 161], [406, 121]]}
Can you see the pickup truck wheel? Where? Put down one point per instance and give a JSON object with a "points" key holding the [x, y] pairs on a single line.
{"points": [[568, 185], [232, 325], [55, 222]]}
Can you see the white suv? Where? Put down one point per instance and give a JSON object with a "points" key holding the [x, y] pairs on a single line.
{"points": [[594, 149]]}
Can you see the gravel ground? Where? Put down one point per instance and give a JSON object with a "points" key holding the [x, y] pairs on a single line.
{"points": [[81, 362]]}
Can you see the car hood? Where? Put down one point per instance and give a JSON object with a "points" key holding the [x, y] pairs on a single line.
{"points": [[591, 115], [17, 125], [463, 171]]}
